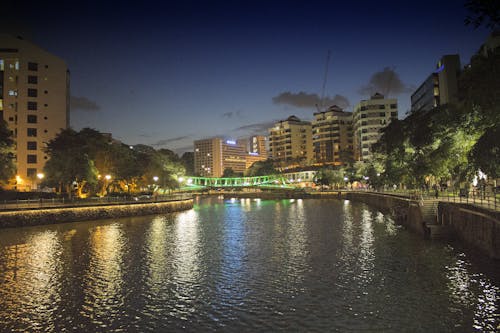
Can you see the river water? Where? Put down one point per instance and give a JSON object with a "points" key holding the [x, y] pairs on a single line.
{"points": [[243, 265]]}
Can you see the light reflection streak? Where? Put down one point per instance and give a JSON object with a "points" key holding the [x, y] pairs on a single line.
{"points": [[186, 256], [468, 290], [103, 294], [296, 241], [32, 279], [157, 252], [367, 255]]}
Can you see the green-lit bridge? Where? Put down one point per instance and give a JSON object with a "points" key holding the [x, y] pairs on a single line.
{"points": [[271, 181]]}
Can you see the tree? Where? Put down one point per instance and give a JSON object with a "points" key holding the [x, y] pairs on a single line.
{"points": [[7, 167], [69, 162], [485, 12], [187, 160], [485, 155], [229, 172], [262, 168]]}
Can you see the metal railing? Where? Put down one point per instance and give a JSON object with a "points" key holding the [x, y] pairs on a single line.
{"points": [[6, 205], [488, 198]]}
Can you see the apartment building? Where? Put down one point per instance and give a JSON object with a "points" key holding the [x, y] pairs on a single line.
{"points": [[369, 117], [440, 87], [332, 136], [34, 101], [290, 142]]}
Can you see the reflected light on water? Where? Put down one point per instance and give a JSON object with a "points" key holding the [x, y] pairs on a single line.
{"points": [[186, 255], [32, 273], [103, 294], [467, 289]]}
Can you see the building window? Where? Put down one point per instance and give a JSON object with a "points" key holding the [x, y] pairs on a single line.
{"points": [[45, 92], [12, 92], [32, 106], [32, 79], [31, 159], [32, 92], [32, 132], [394, 114], [394, 106], [32, 66], [31, 172], [32, 145], [382, 114], [32, 119]]}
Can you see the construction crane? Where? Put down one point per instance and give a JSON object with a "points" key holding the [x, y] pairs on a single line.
{"points": [[325, 78]]}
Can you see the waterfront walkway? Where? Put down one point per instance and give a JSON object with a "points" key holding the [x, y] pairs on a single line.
{"points": [[11, 205]]}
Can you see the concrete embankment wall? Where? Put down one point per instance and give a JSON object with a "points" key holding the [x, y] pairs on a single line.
{"points": [[406, 212], [476, 226], [75, 214]]}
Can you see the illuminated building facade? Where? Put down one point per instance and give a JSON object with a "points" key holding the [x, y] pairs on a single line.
{"points": [[441, 87], [34, 101], [290, 142], [212, 156], [369, 117], [332, 136]]}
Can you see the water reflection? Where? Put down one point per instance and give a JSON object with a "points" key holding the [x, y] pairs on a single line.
{"points": [[248, 265], [31, 281], [473, 291], [103, 282], [186, 263]]}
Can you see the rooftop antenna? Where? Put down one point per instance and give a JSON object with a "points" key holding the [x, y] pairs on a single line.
{"points": [[320, 106]]}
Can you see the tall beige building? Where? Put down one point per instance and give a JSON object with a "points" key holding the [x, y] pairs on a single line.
{"points": [[290, 142], [34, 101], [332, 136], [212, 156], [370, 116]]}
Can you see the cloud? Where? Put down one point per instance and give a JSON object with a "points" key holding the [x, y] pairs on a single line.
{"points": [[83, 104], [386, 82], [305, 100], [256, 129], [167, 141], [231, 114]]}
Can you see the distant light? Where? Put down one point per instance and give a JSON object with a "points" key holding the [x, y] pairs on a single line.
{"points": [[40, 175], [190, 181], [108, 177], [155, 178], [253, 154], [231, 142]]}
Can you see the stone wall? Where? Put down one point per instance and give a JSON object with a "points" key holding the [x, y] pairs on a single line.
{"points": [[75, 214], [476, 226]]}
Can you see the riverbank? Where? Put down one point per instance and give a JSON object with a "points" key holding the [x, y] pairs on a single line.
{"points": [[33, 217]]}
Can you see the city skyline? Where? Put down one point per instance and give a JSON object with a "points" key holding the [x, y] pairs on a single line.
{"points": [[166, 75]]}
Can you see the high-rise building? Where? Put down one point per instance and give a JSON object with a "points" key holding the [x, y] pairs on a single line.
{"points": [[34, 101], [256, 148], [440, 87], [332, 136], [212, 156], [370, 116], [290, 142]]}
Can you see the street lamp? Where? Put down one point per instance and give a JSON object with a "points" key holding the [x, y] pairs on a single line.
{"points": [[155, 178], [40, 176]]}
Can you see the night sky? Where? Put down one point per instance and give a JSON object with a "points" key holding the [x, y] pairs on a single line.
{"points": [[167, 74]]}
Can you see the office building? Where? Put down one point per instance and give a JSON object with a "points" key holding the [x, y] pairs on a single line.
{"points": [[34, 101], [440, 87], [290, 142], [369, 117], [332, 136]]}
